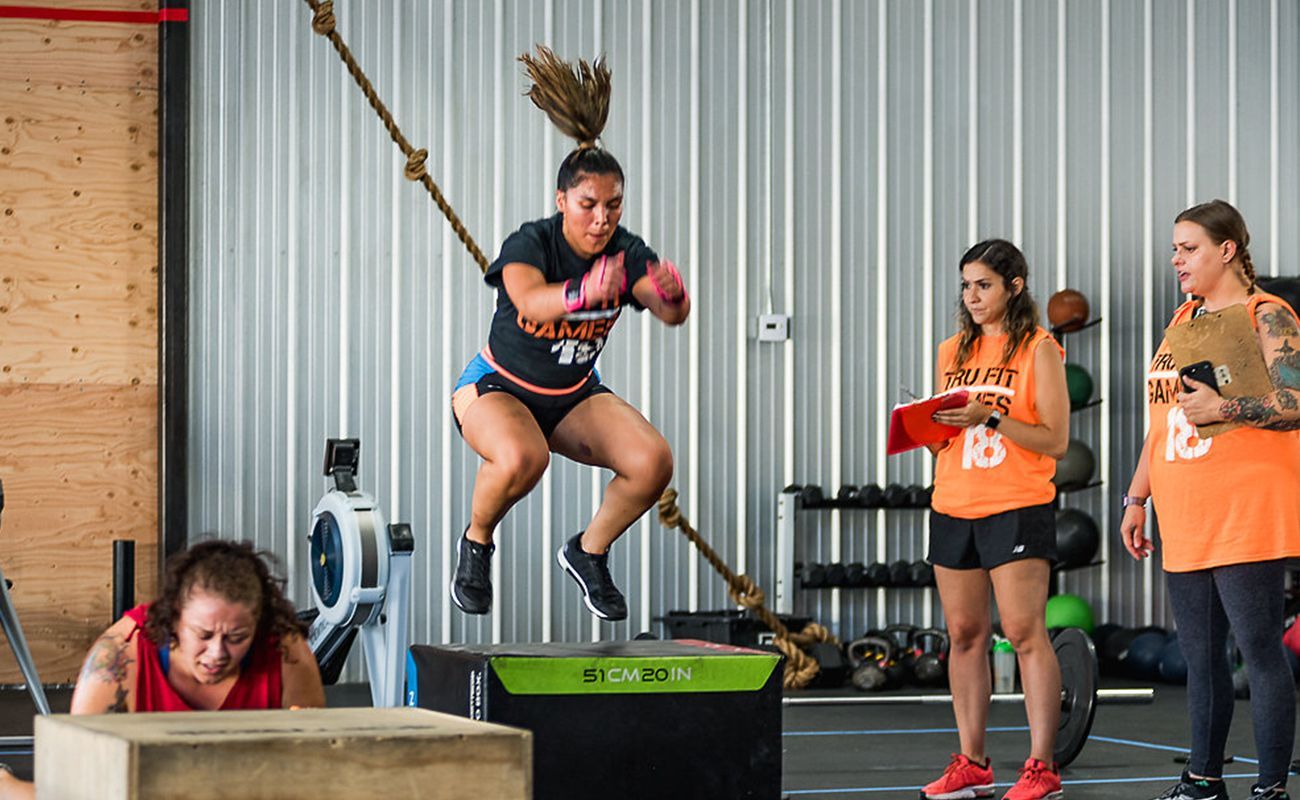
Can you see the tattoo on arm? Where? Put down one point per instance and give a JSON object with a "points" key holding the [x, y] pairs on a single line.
{"points": [[107, 663], [1280, 324], [1260, 412], [1279, 411]]}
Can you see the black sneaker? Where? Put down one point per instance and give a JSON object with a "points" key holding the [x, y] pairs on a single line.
{"points": [[1275, 792], [471, 589], [1188, 788], [592, 573]]}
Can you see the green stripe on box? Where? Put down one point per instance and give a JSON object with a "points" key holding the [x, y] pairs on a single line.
{"points": [[643, 675]]}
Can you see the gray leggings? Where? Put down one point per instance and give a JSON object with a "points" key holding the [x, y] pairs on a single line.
{"points": [[1249, 597]]}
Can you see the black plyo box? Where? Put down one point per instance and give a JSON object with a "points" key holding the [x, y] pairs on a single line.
{"points": [[642, 719]]}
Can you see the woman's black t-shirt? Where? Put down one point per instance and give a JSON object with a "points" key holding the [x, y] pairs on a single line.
{"points": [[559, 354]]}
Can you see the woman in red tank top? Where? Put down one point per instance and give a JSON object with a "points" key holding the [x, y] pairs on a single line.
{"points": [[221, 636]]}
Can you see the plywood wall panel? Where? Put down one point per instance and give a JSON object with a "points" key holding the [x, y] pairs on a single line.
{"points": [[79, 464], [78, 225], [94, 5], [74, 53]]}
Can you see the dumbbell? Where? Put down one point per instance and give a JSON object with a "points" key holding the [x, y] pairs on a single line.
{"points": [[814, 576], [871, 496], [855, 575], [894, 496], [878, 574], [921, 573], [836, 575], [848, 495], [917, 497], [900, 573], [811, 496]]}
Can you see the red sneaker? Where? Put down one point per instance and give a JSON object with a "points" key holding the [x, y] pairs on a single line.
{"points": [[1038, 781], [962, 780]]}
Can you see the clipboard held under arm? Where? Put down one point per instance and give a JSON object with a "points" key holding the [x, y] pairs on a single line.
{"points": [[1227, 339]]}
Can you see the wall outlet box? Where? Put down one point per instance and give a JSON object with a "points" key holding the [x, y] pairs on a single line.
{"points": [[773, 327]]}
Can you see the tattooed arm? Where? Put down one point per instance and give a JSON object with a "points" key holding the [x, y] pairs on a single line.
{"points": [[107, 680], [1279, 339]]}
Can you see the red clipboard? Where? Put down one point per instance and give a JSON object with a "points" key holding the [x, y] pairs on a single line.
{"points": [[911, 426]]}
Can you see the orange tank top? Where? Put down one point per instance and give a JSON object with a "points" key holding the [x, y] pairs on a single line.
{"points": [[980, 472], [1230, 499]]}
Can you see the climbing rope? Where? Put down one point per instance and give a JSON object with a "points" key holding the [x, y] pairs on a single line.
{"points": [[800, 668], [323, 22]]}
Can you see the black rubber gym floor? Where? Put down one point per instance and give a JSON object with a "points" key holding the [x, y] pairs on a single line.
{"points": [[891, 751], [880, 752]]}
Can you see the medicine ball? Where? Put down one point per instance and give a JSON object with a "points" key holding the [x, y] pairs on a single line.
{"points": [[1113, 648], [1067, 310], [1079, 385], [1069, 611], [1077, 538], [1173, 664], [1142, 658], [1076, 469], [1103, 632]]}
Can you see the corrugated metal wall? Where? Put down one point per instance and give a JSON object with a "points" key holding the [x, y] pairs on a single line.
{"points": [[827, 159]]}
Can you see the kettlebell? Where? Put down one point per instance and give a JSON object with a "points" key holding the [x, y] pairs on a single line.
{"points": [[869, 657], [931, 666], [900, 636]]}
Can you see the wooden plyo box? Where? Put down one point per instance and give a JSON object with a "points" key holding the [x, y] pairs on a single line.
{"points": [[354, 753]]}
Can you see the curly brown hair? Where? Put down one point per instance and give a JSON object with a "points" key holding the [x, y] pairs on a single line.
{"points": [[234, 571]]}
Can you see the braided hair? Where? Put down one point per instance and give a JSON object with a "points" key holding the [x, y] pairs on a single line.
{"points": [[1224, 223], [1021, 318], [576, 98]]}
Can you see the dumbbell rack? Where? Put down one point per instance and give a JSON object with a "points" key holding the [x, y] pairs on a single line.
{"points": [[788, 504]]}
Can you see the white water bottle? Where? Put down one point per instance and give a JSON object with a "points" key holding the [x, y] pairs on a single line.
{"points": [[1004, 667]]}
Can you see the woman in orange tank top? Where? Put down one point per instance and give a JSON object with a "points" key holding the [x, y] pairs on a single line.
{"points": [[992, 521], [1229, 508]]}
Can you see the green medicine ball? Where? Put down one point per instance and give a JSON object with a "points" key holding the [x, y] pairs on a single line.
{"points": [[1079, 384], [1069, 611]]}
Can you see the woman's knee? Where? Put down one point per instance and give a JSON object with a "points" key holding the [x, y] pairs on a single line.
{"points": [[1026, 633], [522, 466], [965, 635], [649, 467]]}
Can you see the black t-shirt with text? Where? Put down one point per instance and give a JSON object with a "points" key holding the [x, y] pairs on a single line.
{"points": [[559, 354]]}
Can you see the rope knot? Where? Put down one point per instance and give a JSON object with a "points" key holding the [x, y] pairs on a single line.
{"points": [[747, 593], [415, 165], [670, 516], [323, 20]]}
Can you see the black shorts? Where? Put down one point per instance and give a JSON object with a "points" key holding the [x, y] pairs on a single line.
{"points": [[547, 410], [992, 541]]}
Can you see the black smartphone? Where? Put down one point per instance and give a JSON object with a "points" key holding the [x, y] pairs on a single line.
{"points": [[1202, 371]]}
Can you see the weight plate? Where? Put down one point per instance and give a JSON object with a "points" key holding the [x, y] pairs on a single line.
{"points": [[1079, 681]]}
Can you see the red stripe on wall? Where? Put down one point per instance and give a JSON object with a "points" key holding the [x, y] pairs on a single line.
{"points": [[92, 15]]}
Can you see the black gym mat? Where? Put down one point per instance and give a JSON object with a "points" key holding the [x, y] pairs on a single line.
{"points": [[883, 752]]}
